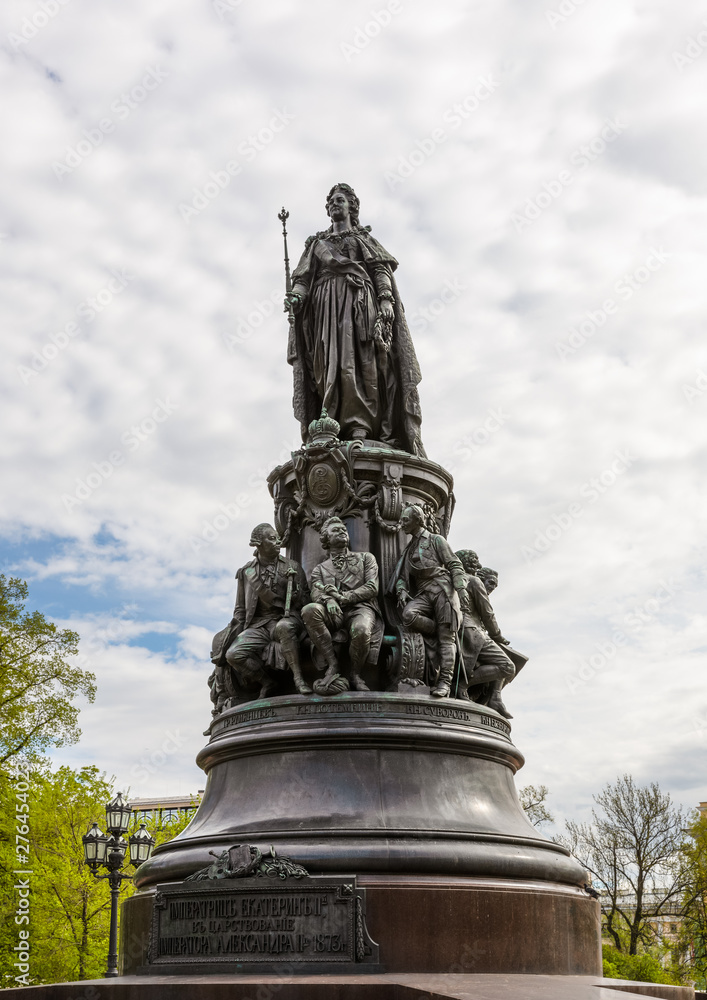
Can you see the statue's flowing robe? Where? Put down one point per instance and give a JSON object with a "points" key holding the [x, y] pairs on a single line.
{"points": [[339, 362]]}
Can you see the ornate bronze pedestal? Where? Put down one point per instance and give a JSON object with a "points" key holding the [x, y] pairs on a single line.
{"points": [[413, 795]]}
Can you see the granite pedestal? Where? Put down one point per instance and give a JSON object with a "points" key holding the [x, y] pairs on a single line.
{"points": [[415, 797]]}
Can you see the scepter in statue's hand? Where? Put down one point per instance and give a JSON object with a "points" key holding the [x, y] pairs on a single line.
{"points": [[291, 301]]}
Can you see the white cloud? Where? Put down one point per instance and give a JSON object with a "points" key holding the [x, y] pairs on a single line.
{"points": [[162, 335]]}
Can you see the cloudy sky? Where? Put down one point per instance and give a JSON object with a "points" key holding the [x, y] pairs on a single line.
{"points": [[540, 171]]}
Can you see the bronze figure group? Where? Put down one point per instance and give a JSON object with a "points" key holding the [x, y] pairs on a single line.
{"points": [[430, 622], [333, 622]]}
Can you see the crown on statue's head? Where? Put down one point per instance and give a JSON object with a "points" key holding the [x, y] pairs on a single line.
{"points": [[324, 429]]}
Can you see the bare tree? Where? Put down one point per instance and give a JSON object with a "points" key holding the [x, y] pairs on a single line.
{"points": [[532, 799], [632, 850]]}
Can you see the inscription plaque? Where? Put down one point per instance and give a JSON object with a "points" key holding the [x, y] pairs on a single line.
{"points": [[285, 709], [301, 924]]}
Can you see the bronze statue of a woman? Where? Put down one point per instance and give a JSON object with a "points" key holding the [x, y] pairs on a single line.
{"points": [[350, 346]]}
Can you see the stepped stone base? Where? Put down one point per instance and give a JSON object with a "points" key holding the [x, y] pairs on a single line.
{"points": [[373, 987]]}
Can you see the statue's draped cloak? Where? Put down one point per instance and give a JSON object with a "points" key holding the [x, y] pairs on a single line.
{"points": [[336, 360]]}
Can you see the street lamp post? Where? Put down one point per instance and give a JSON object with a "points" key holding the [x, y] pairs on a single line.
{"points": [[108, 851]]}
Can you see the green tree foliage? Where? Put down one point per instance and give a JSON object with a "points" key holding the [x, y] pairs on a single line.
{"points": [[644, 968], [37, 685], [44, 813], [532, 799], [9, 863], [69, 909], [691, 953], [632, 850], [168, 831]]}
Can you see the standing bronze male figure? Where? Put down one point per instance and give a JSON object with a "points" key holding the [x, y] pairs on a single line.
{"points": [[350, 346], [486, 662], [266, 627], [430, 585]]}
